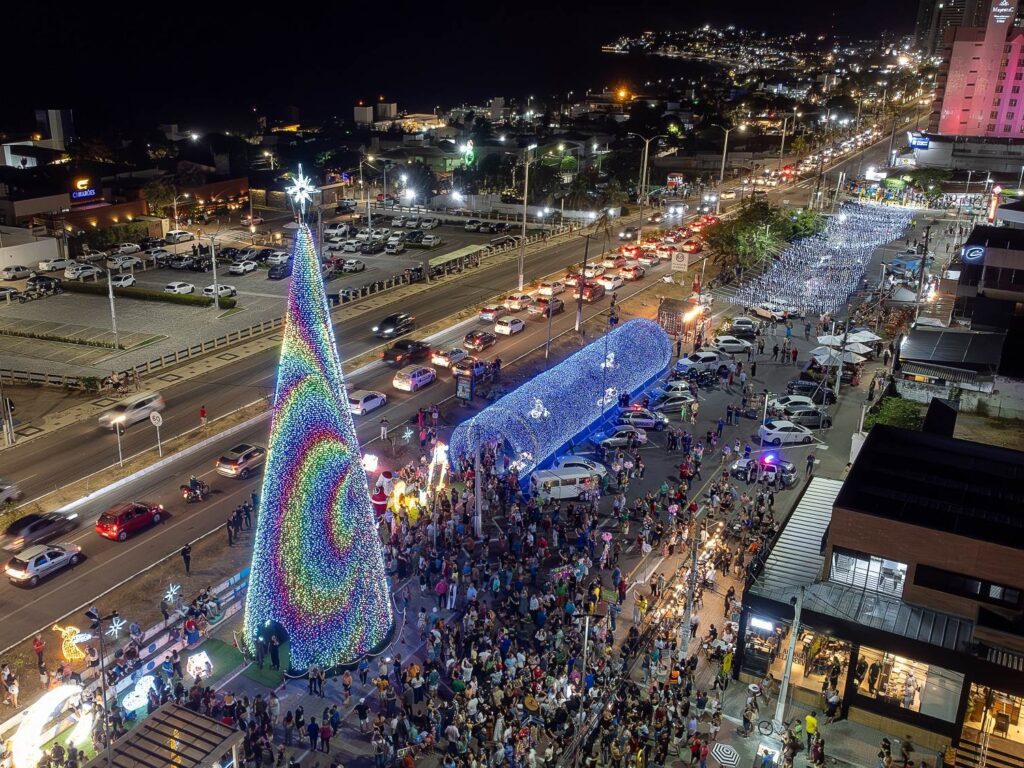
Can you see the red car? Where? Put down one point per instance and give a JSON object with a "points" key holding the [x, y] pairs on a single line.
{"points": [[122, 520], [571, 278], [692, 246]]}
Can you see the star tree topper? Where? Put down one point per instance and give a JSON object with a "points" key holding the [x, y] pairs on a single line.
{"points": [[301, 191]]}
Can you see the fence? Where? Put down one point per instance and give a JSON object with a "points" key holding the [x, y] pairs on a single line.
{"points": [[344, 296]]}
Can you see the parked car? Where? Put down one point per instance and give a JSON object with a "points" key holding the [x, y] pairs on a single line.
{"points": [[415, 237], [280, 271], [43, 283], [148, 243], [730, 345], [9, 293], [393, 249], [36, 528], [641, 417], [701, 361], [363, 401], [123, 281], [779, 431], [767, 466], [412, 222], [242, 267], [123, 261], [241, 461], [40, 561], [125, 249], [179, 236], [125, 519], [789, 401], [179, 287], [518, 301], [181, 262], [353, 265], [395, 237], [253, 221], [278, 257], [620, 436], [221, 290], [673, 402], [478, 341], [429, 240], [394, 325], [430, 223], [492, 312], [82, 271], [812, 418], [159, 256], [406, 351], [15, 272], [414, 377], [507, 326], [54, 265], [446, 358], [472, 225]]}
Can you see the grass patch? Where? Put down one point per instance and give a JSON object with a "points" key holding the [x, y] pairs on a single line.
{"points": [[148, 294], [62, 339], [271, 678]]}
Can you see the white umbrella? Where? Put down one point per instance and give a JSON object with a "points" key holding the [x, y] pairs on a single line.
{"points": [[830, 341], [864, 337], [856, 346], [725, 754], [832, 358], [822, 352]]}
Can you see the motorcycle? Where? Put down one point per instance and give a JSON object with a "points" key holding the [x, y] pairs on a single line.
{"points": [[192, 494]]}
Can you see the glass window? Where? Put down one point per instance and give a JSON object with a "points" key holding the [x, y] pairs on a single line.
{"points": [[869, 572], [965, 586], [909, 684]]}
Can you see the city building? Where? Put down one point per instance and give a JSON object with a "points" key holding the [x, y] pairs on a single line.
{"points": [[906, 586], [363, 115], [935, 17], [978, 90]]}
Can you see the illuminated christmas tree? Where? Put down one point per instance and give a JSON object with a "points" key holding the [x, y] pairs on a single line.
{"points": [[317, 565]]}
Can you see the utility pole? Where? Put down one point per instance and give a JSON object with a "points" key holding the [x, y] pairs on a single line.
{"points": [[787, 672], [920, 273], [842, 349], [6, 415], [526, 202], [685, 637], [113, 314], [580, 283]]}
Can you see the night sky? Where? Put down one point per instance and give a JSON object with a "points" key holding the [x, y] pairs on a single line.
{"points": [[134, 65]]}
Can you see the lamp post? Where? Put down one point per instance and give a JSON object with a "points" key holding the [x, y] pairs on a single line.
{"points": [[213, 262], [183, 196], [96, 623], [641, 190], [526, 200], [725, 148], [782, 144]]}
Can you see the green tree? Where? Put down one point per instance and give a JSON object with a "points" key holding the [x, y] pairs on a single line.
{"points": [[159, 195], [896, 412], [798, 145]]}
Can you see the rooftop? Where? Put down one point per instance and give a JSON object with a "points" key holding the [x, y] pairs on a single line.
{"points": [[1009, 238], [956, 486], [966, 350]]}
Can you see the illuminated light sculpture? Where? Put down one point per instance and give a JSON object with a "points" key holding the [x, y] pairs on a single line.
{"points": [[70, 639], [535, 420], [317, 565], [139, 695], [26, 746], [199, 665]]}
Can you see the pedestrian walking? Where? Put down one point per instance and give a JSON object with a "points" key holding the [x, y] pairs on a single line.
{"points": [[811, 460], [202, 415], [229, 526], [186, 558], [384, 424], [794, 355]]}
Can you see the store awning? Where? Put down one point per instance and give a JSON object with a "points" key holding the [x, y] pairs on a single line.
{"points": [[956, 375], [172, 736]]}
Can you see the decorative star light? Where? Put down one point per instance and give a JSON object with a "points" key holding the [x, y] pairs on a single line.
{"points": [[539, 411], [172, 592], [116, 625], [407, 435], [609, 361], [522, 461], [301, 191], [611, 394]]}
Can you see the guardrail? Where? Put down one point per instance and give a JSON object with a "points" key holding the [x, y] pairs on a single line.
{"points": [[35, 378]]}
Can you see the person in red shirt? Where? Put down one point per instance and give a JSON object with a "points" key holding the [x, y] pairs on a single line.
{"points": [[202, 415]]}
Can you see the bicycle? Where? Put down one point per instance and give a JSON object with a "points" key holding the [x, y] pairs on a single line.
{"points": [[768, 727]]}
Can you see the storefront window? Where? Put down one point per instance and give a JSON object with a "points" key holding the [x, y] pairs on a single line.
{"points": [[994, 712], [820, 661], [869, 572], [762, 646], [903, 682]]}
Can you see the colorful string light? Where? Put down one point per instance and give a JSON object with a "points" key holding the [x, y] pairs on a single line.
{"points": [[542, 415], [317, 566]]}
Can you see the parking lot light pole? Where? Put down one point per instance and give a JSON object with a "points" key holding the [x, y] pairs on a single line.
{"points": [[526, 199], [183, 196], [113, 314], [213, 262], [643, 179]]}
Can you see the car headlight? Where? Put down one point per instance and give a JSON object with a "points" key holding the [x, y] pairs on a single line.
{"points": [[375, 329]]}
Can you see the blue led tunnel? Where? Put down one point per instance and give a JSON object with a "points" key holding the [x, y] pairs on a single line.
{"points": [[566, 401]]}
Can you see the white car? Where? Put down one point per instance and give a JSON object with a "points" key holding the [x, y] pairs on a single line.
{"points": [[641, 417], [701, 361], [52, 265], [594, 270], [611, 282], [430, 241], [492, 312], [518, 301], [619, 436], [353, 265], [413, 377], [777, 432], [125, 249], [791, 401], [221, 289], [242, 267], [553, 288], [122, 281], [350, 246], [731, 345], [430, 223], [9, 491], [506, 326], [362, 401], [159, 254], [15, 272], [394, 248], [277, 257], [179, 287], [178, 236], [82, 271], [770, 311], [123, 262], [446, 358], [571, 461], [253, 221], [649, 258]]}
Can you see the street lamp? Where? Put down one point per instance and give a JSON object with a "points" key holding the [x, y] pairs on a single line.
{"points": [[782, 144], [96, 623], [182, 196], [725, 147], [643, 180], [270, 158], [526, 196]]}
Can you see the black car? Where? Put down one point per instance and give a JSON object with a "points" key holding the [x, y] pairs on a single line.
{"points": [[496, 226], [227, 254], [261, 255], [36, 529], [406, 351], [343, 210], [201, 264], [416, 236], [746, 332], [394, 325], [375, 246], [181, 262], [43, 283], [151, 242], [479, 340], [280, 271], [802, 386]]}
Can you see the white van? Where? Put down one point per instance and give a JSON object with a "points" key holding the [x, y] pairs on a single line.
{"points": [[564, 483]]}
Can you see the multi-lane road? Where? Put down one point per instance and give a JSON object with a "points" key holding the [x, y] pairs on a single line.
{"points": [[52, 461]]}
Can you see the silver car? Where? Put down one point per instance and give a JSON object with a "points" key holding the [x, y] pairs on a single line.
{"points": [[40, 561]]}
